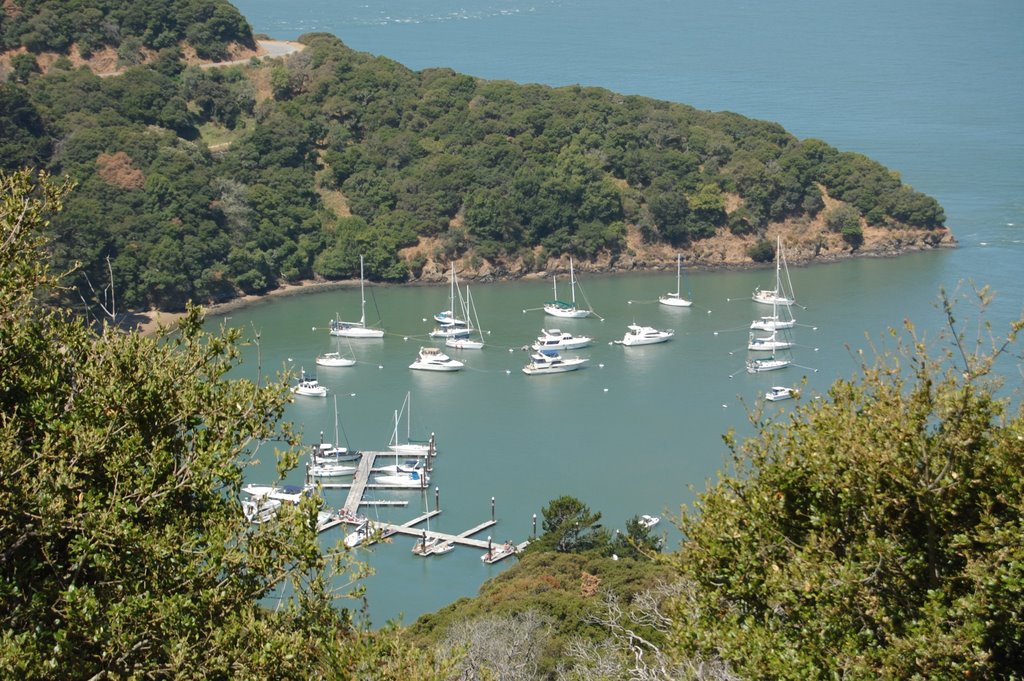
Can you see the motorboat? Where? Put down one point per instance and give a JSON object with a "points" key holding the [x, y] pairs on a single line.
{"points": [[266, 500], [645, 335], [359, 535], [334, 359], [432, 359], [551, 362], [499, 552], [676, 299], [356, 329], [779, 393], [566, 309], [649, 521], [556, 339], [309, 387]]}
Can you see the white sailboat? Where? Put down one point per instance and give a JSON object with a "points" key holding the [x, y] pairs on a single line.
{"points": [[356, 329], [410, 447], [468, 343], [781, 294], [448, 325], [773, 363], [769, 343], [334, 359], [676, 299], [560, 308]]}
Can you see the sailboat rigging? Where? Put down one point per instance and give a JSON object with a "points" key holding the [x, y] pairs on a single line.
{"points": [[561, 308], [448, 325], [356, 329], [676, 299]]}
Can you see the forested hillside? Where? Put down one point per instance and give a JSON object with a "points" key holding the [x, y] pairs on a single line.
{"points": [[206, 184]]}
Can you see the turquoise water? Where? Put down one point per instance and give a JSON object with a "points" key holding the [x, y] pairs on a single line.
{"points": [[931, 89]]}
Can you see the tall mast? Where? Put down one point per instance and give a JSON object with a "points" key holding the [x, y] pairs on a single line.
{"points": [[362, 294], [572, 281]]}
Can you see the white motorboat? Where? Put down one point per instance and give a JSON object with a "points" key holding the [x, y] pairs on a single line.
{"points": [[499, 552], [561, 308], [334, 359], [551, 362], [779, 393], [676, 299], [356, 329], [357, 536], [769, 343], [432, 359], [756, 366], [309, 387], [649, 521], [265, 500], [556, 339], [782, 294], [645, 335]]}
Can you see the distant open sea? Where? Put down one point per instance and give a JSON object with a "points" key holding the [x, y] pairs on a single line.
{"points": [[932, 89]]}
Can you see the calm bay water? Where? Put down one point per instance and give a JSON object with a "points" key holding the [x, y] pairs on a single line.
{"points": [[931, 89]]}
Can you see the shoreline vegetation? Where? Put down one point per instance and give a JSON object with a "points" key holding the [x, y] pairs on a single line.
{"points": [[148, 322]]}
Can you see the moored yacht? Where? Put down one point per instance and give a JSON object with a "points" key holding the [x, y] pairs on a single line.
{"points": [[550, 362], [645, 335], [556, 339], [432, 359]]}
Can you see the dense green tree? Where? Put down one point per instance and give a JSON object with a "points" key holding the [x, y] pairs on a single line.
{"points": [[125, 551], [570, 527], [873, 534]]}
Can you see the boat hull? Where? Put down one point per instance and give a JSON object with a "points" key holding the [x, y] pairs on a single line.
{"points": [[566, 313], [673, 300]]}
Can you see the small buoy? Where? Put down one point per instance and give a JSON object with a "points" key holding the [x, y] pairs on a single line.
{"points": [[709, 311], [405, 338], [314, 328], [815, 349], [352, 394], [524, 311], [629, 302], [488, 333], [610, 343], [716, 333], [289, 359], [511, 349], [380, 366], [601, 365], [606, 389], [424, 319], [508, 371], [725, 406]]}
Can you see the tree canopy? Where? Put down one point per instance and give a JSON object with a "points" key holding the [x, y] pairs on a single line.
{"points": [[252, 173], [124, 551]]}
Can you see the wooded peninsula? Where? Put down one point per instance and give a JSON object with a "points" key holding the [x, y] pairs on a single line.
{"points": [[207, 184]]}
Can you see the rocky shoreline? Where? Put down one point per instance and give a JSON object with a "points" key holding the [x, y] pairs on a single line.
{"points": [[723, 252]]}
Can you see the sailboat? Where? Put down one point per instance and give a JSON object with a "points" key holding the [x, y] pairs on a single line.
{"points": [[675, 299], [780, 295], [409, 447], [560, 308], [468, 343], [356, 329], [329, 460], [451, 326], [429, 545], [772, 341]]}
